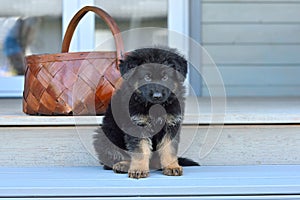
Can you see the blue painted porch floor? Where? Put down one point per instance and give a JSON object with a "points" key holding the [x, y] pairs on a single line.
{"points": [[196, 181]]}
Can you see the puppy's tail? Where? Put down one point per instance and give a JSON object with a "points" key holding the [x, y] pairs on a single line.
{"points": [[187, 162]]}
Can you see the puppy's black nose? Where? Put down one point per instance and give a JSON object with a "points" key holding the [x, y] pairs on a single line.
{"points": [[157, 96]]}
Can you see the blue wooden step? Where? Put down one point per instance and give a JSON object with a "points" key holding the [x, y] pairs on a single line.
{"points": [[198, 182]]}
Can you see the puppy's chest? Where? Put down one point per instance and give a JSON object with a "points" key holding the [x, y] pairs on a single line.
{"points": [[168, 120]]}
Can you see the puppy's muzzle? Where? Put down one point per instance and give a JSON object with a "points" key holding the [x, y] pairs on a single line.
{"points": [[157, 96], [157, 93]]}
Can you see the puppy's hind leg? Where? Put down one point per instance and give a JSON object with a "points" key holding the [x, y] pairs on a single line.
{"points": [[121, 167]]}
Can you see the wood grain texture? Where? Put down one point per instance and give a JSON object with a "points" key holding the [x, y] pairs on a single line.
{"points": [[242, 145], [45, 146], [251, 35], [264, 75], [252, 91], [271, 110], [256, 131], [253, 54], [209, 145], [256, 79], [251, 12]]}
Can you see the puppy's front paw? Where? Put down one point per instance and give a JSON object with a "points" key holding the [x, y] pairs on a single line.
{"points": [[138, 173], [121, 167], [173, 171]]}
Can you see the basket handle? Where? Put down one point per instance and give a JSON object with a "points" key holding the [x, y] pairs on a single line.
{"points": [[107, 19]]}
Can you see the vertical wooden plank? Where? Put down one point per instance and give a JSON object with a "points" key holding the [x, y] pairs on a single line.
{"points": [[178, 26], [195, 20]]}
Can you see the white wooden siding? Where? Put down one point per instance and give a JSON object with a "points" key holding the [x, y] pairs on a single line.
{"points": [[255, 44], [274, 34], [73, 146], [251, 12]]}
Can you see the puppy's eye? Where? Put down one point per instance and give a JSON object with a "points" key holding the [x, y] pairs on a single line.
{"points": [[147, 77], [165, 77]]}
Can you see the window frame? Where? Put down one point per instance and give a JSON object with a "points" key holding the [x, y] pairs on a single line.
{"points": [[178, 20], [12, 86], [184, 17]]}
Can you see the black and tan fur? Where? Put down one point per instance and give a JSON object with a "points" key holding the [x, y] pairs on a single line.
{"points": [[153, 78]]}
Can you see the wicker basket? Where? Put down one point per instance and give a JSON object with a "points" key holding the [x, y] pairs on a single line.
{"points": [[79, 83]]}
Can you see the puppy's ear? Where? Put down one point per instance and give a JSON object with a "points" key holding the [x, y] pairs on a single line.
{"points": [[180, 65], [128, 74], [127, 64], [127, 68], [123, 67]]}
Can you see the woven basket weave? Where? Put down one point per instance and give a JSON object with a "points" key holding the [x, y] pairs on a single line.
{"points": [[79, 83]]}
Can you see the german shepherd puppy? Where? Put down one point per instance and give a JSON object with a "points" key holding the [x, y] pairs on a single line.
{"points": [[142, 123]]}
